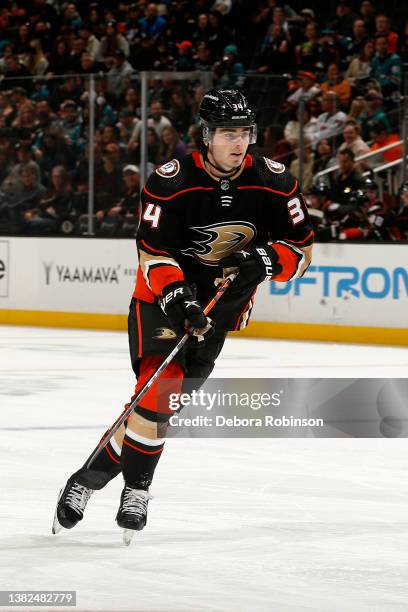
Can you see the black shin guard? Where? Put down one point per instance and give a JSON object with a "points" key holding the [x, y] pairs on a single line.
{"points": [[139, 459]]}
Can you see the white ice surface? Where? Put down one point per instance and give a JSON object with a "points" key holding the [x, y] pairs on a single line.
{"points": [[237, 525]]}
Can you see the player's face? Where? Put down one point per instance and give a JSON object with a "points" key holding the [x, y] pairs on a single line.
{"points": [[229, 146]]}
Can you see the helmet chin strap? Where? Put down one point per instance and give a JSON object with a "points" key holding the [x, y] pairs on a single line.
{"points": [[226, 173]]}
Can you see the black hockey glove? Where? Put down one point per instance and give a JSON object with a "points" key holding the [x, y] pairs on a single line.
{"points": [[255, 264], [183, 311]]}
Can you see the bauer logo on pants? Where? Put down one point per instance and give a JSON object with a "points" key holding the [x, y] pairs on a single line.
{"points": [[4, 268]]}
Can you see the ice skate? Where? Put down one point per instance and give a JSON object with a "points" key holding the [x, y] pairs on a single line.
{"points": [[132, 513], [71, 504]]}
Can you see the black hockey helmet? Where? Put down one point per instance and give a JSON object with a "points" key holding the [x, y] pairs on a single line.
{"points": [[226, 108], [368, 183]]}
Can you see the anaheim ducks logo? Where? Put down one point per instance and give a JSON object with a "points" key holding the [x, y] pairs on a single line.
{"points": [[170, 169], [164, 333], [215, 241]]}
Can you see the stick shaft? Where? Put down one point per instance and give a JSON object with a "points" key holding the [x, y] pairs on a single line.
{"points": [[124, 415]]}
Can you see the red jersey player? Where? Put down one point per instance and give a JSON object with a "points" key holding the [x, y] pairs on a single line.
{"points": [[214, 210]]}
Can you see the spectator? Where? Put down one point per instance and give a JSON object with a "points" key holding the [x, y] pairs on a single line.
{"points": [[360, 36], [336, 82], [45, 117], [386, 67], [383, 28], [13, 72], [184, 61], [92, 44], [152, 24], [331, 121], [55, 206], [276, 51], [276, 146], [36, 62], [353, 140], [171, 147], [71, 17], [203, 60], [8, 51], [202, 30], [345, 18], [373, 112], [180, 110], [308, 88], [119, 75], [219, 37], [123, 217], [307, 53], [308, 159], [324, 157], [112, 42], [346, 178], [107, 184], [21, 44], [25, 159], [156, 120], [77, 49], [360, 65], [292, 128], [26, 117], [55, 151], [70, 121], [367, 12], [59, 62], [229, 71], [126, 125], [21, 197], [381, 136]]}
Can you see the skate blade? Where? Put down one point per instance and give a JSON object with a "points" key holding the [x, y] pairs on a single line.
{"points": [[56, 525], [128, 536]]}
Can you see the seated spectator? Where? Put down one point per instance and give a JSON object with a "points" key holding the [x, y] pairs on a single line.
{"points": [[308, 88], [20, 198], [219, 35], [275, 52], [383, 28], [184, 61], [35, 60], [156, 120], [201, 32], [171, 147], [119, 75], [107, 183], [337, 83], [229, 72], [8, 51], [307, 53], [77, 45], [331, 121], [324, 157], [367, 12], [54, 150], [55, 207], [59, 61], [180, 110], [152, 24], [123, 217], [276, 146], [126, 125], [112, 42], [353, 140], [26, 118], [381, 136], [92, 44], [372, 111], [386, 67], [202, 59], [26, 158], [13, 71], [70, 88], [345, 18], [346, 178], [131, 101], [307, 172], [292, 128], [360, 65], [359, 36], [70, 122]]}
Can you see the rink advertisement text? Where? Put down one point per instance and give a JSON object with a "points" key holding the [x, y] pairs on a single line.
{"points": [[260, 407]]}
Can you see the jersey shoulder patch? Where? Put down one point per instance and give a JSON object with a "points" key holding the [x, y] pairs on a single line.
{"points": [[169, 179], [170, 169], [275, 175]]}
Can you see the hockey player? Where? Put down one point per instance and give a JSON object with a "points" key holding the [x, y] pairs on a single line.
{"points": [[213, 211]]}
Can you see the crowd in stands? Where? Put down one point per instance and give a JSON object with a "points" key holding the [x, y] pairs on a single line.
{"points": [[341, 84]]}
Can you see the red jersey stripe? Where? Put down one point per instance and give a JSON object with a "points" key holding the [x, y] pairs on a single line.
{"points": [[174, 195], [269, 189]]}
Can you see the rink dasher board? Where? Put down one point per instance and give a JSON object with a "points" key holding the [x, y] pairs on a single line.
{"points": [[351, 292]]}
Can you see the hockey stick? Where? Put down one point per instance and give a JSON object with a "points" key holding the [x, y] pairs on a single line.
{"points": [[124, 415]]}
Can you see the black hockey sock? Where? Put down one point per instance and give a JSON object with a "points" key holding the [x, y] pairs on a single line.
{"points": [[108, 460], [139, 459]]}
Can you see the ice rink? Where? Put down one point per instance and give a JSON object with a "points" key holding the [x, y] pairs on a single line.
{"points": [[236, 525]]}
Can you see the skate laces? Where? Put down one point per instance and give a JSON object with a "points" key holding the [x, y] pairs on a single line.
{"points": [[135, 501], [78, 496]]}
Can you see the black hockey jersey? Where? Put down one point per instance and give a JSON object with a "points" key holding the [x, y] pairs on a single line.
{"points": [[190, 221]]}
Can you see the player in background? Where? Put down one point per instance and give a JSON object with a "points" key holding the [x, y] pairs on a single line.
{"points": [[215, 210]]}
